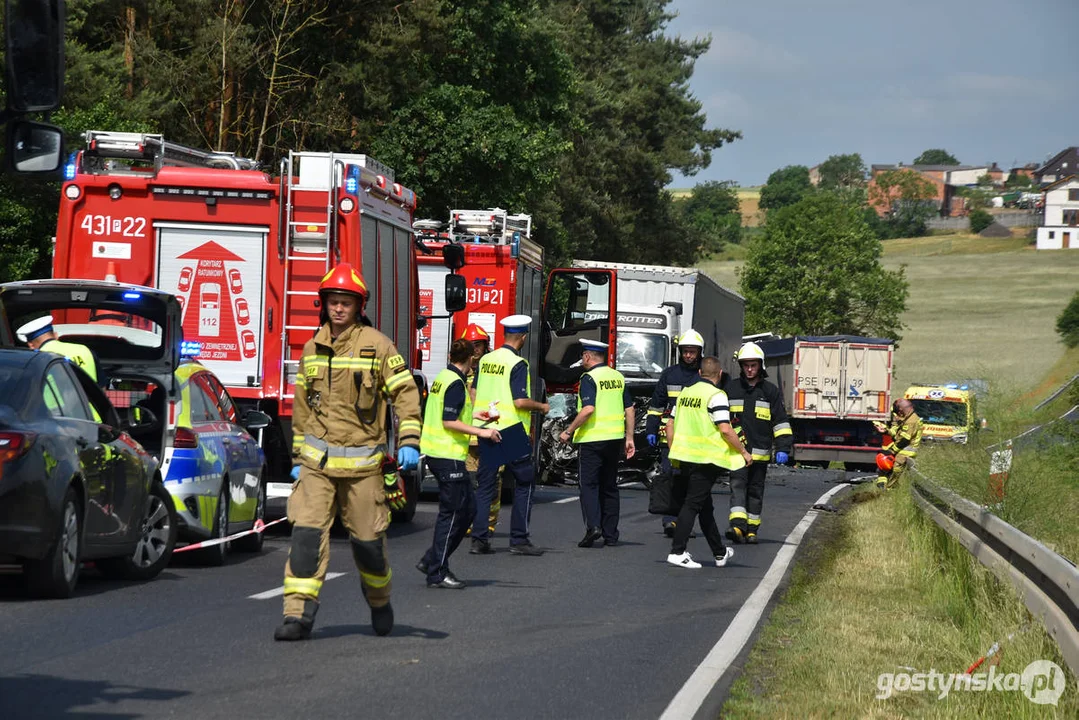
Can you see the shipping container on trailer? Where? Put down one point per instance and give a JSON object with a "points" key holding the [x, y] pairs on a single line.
{"points": [[244, 252], [833, 388]]}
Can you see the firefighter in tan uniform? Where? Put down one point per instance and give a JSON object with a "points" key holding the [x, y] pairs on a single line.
{"points": [[347, 373], [481, 345], [905, 429]]}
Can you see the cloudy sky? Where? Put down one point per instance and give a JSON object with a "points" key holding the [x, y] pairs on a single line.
{"points": [[988, 80]]}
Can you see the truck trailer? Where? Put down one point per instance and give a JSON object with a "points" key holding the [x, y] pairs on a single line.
{"points": [[834, 388]]}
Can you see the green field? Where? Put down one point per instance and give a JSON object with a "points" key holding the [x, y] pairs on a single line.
{"points": [[977, 308]]}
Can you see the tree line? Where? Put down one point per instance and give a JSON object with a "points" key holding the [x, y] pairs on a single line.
{"points": [[576, 111]]}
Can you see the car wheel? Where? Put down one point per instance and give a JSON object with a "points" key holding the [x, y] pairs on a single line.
{"points": [[56, 574], [253, 543], [216, 554], [156, 543]]}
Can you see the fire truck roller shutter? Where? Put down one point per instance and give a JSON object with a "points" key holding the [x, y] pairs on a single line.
{"points": [[369, 232], [387, 282], [225, 263], [405, 293]]}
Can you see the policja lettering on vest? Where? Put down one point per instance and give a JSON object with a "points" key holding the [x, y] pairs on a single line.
{"points": [[502, 384], [446, 432], [602, 428], [702, 441], [347, 373]]}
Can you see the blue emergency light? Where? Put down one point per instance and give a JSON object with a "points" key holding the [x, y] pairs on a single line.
{"points": [[515, 246], [190, 348], [132, 295], [352, 180]]}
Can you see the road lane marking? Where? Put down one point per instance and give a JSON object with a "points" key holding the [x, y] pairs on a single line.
{"points": [[281, 590], [693, 694], [565, 500]]}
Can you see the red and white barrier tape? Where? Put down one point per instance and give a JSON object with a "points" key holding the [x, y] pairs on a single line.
{"points": [[259, 527]]}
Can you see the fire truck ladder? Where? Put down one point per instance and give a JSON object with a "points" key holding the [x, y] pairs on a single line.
{"points": [[307, 244], [148, 147]]}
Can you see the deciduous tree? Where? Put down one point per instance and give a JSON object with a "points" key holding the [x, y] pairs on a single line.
{"points": [[936, 156], [816, 270], [785, 186]]}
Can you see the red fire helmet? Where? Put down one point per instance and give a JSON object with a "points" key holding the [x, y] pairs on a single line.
{"points": [[343, 279], [885, 462], [474, 332]]}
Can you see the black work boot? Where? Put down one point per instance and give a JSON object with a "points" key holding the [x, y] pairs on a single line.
{"points": [[382, 619], [736, 535], [292, 629]]}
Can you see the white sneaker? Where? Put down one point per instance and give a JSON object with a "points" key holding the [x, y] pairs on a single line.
{"points": [[722, 561], [683, 560]]}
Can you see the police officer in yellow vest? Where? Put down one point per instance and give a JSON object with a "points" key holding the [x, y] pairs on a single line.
{"points": [[702, 441], [348, 371], [40, 335], [602, 428], [502, 401], [447, 429]]}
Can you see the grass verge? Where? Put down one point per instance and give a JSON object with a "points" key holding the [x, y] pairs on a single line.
{"points": [[883, 590], [1041, 492]]}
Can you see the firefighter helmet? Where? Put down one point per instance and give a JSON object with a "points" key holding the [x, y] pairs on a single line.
{"points": [[343, 279], [885, 462], [475, 333], [691, 338], [750, 351]]}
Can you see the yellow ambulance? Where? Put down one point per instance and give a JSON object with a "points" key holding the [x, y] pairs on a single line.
{"points": [[947, 411]]}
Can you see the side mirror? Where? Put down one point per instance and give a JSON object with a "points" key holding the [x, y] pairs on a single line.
{"points": [[421, 322], [35, 54], [453, 256], [34, 147], [455, 293], [256, 420]]}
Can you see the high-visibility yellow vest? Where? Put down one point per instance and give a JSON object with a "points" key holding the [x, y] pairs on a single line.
{"points": [[608, 422], [493, 383], [696, 439], [437, 441], [78, 354]]}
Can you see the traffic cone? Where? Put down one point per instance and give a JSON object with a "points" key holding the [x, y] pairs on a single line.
{"points": [[110, 272]]}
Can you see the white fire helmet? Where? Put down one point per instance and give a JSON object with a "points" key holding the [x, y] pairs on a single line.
{"points": [[750, 351], [691, 338]]}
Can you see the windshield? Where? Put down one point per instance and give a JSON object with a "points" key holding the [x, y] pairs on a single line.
{"points": [[941, 412], [642, 354]]}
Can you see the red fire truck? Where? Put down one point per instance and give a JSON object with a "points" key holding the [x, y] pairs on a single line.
{"points": [[503, 275], [243, 251]]}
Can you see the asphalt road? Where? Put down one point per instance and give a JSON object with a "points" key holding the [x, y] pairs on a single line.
{"points": [[596, 633]]}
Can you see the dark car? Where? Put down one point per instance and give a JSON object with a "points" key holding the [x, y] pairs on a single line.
{"points": [[74, 485], [213, 469]]}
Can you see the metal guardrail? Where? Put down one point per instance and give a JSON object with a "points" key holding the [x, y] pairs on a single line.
{"points": [[1059, 391], [1047, 582]]}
